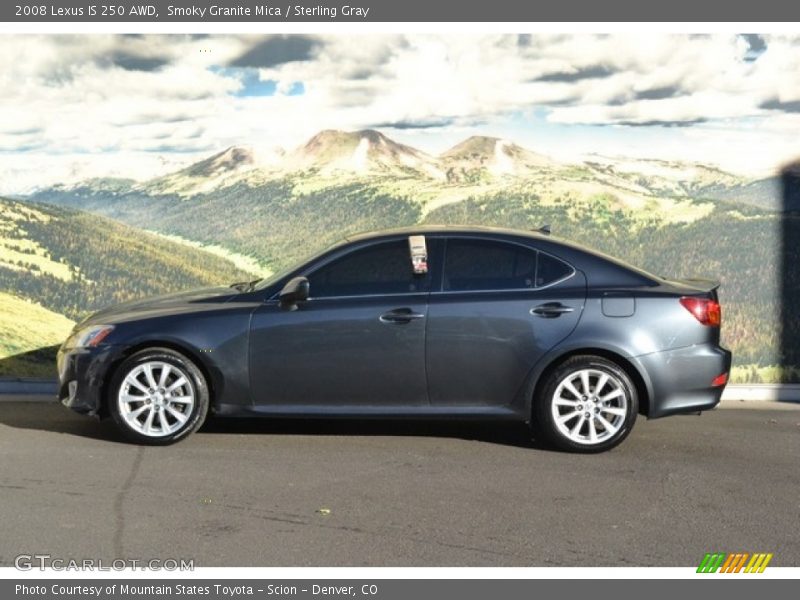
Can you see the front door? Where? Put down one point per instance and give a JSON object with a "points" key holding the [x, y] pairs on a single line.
{"points": [[358, 341]]}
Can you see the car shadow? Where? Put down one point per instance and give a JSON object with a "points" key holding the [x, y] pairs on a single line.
{"points": [[503, 433], [51, 416]]}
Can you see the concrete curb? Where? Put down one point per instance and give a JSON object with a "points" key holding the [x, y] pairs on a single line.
{"points": [[22, 387], [762, 392], [28, 390]]}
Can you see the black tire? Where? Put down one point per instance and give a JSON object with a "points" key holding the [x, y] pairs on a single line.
{"points": [[580, 418], [173, 412]]}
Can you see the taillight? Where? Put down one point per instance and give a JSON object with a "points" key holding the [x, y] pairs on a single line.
{"points": [[705, 310]]}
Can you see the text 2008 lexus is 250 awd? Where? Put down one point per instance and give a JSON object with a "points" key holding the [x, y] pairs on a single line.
{"points": [[427, 322]]}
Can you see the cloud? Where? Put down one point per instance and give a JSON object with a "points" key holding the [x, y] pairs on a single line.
{"points": [[24, 131], [662, 123], [756, 46], [179, 148], [23, 148], [659, 93], [361, 73], [413, 124], [135, 62], [791, 106], [277, 50], [84, 95], [151, 116], [591, 72]]}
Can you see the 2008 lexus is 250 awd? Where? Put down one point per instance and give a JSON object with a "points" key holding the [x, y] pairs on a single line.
{"points": [[426, 322]]}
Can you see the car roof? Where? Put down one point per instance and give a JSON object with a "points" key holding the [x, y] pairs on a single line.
{"points": [[445, 230]]}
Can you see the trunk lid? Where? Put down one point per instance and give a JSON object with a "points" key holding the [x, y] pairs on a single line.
{"points": [[696, 285]]}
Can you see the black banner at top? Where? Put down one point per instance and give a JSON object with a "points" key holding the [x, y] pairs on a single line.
{"points": [[211, 11]]}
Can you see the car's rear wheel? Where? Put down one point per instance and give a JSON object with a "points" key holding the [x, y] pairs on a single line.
{"points": [[158, 396], [586, 404]]}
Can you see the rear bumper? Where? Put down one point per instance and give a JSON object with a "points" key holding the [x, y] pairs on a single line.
{"points": [[82, 376], [680, 380]]}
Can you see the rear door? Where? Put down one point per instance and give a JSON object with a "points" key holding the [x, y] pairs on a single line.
{"points": [[501, 306]]}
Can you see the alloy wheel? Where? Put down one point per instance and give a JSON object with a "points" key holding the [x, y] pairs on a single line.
{"points": [[156, 398], [589, 406]]}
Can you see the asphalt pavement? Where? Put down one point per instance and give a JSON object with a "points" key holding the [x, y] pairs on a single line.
{"points": [[364, 493]]}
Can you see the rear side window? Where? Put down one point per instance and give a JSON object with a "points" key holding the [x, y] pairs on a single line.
{"points": [[479, 265], [377, 270], [550, 270]]}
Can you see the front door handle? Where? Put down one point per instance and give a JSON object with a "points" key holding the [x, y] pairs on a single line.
{"points": [[551, 310], [400, 316]]}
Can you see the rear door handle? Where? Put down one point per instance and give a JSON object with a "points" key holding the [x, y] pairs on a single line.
{"points": [[400, 316], [551, 310]]}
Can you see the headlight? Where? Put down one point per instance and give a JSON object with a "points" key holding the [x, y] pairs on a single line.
{"points": [[89, 337]]}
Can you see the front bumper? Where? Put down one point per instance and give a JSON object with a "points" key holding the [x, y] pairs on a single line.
{"points": [[680, 380], [82, 376]]}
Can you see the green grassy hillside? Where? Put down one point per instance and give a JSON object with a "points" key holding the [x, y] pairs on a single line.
{"points": [[272, 222], [57, 265], [28, 333]]}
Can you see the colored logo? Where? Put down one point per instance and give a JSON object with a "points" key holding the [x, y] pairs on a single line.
{"points": [[739, 562]]}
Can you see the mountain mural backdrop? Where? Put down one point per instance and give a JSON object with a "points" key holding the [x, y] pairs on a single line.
{"points": [[70, 249]]}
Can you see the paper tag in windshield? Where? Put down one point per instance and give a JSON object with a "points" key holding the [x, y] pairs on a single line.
{"points": [[419, 254]]}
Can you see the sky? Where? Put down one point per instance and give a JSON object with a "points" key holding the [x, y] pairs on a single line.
{"points": [[80, 106]]}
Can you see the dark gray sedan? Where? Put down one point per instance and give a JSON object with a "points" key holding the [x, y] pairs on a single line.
{"points": [[424, 323]]}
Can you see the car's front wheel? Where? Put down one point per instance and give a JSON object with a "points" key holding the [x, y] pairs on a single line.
{"points": [[158, 396], [586, 404]]}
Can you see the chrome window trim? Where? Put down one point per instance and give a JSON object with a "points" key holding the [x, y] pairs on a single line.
{"points": [[364, 296], [450, 292], [513, 290], [446, 238], [361, 296]]}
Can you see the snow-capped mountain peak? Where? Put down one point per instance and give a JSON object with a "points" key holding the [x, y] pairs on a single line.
{"points": [[361, 152]]}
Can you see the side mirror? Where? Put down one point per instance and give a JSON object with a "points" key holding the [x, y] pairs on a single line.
{"points": [[296, 290]]}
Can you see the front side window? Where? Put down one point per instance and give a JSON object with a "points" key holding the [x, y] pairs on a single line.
{"points": [[481, 265], [381, 269]]}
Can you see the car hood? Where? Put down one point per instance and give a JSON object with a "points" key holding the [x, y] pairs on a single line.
{"points": [[164, 304]]}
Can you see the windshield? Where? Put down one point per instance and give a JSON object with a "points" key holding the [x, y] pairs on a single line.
{"points": [[276, 277]]}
